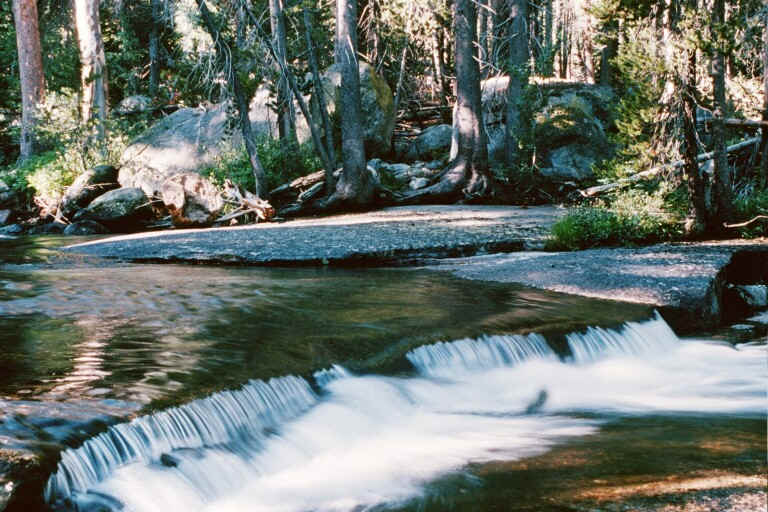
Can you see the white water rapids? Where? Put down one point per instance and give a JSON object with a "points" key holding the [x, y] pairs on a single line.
{"points": [[367, 440]]}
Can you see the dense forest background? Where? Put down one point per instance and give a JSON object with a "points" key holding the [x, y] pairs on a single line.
{"points": [[686, 78]]}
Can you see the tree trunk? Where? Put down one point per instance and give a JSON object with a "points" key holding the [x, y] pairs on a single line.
{"points": [[610, 52], [93, 67], [154, 48], [482, 42], [764, 142], [723, 203], [518, 79], [697, 216], [319, 94], [467, 176], [548, 65], [355, 187], [286, 126], [30, 72], [224, 52]]}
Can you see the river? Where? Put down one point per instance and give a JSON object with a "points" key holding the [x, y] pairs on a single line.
{"points": [[232, 388]]}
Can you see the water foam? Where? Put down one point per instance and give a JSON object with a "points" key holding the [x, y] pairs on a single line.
{"points": [[241, 417], [373, 439]]}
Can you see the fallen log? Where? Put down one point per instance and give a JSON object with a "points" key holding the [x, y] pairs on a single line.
{"points": [[747, 223], [650, 173], [740, 123]]}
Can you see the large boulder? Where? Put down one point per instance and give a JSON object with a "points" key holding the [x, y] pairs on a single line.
{"points": [[188, 140], [121, 210], [87, 187], [570, 125], [9, 197], [376, 103], [432, 143], [569, 163], [192, 139], [191, 200]]}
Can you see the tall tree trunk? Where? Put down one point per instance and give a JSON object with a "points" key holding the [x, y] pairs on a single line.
{"points": [[467, 175], [355, 187], [723, 203], [319, 95], [224, 52], [697, 216], [610, 51], [482, 42], [93, 67], [30, 72], [549, 40], [496, 31], [286, 126], [154, 48], [764, 141], [519, 55]]}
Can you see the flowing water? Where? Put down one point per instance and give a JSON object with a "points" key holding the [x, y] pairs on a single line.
{"points": [[299, 389]]}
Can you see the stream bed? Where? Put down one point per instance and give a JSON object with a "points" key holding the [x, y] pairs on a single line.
{"points": [[180, 387]]}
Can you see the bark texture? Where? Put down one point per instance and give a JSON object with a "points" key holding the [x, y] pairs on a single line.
{"points": [[519, 55], [93, 67], [697, 216], [285, 115], [466, 176], [224, 52], [30, 72], [723, 204], [764, 142], [154, 48], [355, 187]]}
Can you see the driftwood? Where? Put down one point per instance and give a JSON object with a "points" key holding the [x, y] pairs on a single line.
{"points": [[650, 173], [246, 203]]}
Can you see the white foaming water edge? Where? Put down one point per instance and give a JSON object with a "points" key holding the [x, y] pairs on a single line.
{"points": [[373, 439]]}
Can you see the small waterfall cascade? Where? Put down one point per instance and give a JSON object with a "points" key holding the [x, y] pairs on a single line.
{"points": [[328, 375], [445, 358], [368, 440], [242, 417], [633, 338]]}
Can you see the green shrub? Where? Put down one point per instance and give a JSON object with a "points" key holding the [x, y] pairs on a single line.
{"points": [[634, 218], [748, 207], [282, 163]]}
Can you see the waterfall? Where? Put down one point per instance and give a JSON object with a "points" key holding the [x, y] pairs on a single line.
{"points": [[242, 416], [444, 358], [370, 440], [634, 338], [328, 375]]}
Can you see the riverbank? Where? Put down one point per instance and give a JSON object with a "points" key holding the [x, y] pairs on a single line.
{"points": [[691, 283]]}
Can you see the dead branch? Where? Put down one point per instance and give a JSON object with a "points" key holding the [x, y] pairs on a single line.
{"points": [[599, 189], [747, 223]]}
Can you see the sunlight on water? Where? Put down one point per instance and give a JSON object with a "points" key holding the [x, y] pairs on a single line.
{"points": [[366, 440]]}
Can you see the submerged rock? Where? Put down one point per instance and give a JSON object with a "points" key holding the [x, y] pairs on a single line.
{"points": [[84, 228], [51, 228]]}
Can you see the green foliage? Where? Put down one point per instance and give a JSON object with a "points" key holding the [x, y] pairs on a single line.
{"points": [[749, 206], [633, 217], [281, 164]]}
